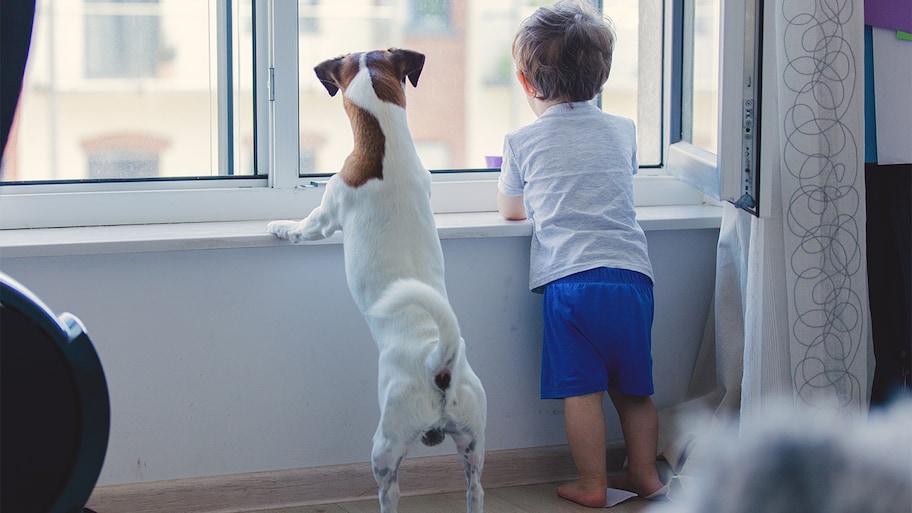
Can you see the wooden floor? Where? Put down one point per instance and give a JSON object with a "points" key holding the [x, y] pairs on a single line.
{"points": [[540, 498]]}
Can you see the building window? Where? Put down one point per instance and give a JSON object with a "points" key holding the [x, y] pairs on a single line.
{"points": [[310, 19], [123, 39], [123, 164], [123, 156], [429, 16]]}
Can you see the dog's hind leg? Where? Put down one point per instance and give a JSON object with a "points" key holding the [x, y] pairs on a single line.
{"points": [[471, 450], [386, 457]]}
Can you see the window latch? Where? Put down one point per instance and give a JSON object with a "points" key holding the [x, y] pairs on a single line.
{"points": [[313, 184]]}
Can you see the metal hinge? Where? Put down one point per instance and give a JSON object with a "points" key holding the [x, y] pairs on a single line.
{"points": [[750, 113]]}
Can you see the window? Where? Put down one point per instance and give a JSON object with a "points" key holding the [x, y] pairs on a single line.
{"points": [[224, 118], [718, 51], [467, 97], [160, 70], [700, 95]]}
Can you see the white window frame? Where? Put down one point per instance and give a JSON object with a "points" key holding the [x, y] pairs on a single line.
{"points": [[719, 176], [283, 195]]}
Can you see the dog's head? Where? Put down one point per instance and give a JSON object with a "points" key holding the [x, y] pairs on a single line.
{"points": [[388, 71]]}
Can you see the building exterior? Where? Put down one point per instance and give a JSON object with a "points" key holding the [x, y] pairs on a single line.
{"points": [[125, 89]]}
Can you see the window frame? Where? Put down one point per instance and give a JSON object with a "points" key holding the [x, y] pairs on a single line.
{"points": [[694, 165], [278, 195], [719, 175]]}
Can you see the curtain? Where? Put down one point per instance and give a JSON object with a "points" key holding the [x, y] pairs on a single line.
{"points": [[791, 318], [16, 19], [818, 355]]}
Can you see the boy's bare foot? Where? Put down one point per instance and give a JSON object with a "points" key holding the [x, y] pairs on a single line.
{"points": [[627, 482], [580, 493]]}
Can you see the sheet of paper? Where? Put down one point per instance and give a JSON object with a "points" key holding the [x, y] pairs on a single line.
{"points": [[892, 99], [616, 497]]}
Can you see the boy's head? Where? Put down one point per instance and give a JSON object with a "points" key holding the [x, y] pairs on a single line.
{"points": [[564, 51]]}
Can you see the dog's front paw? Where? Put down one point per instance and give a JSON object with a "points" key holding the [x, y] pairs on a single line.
{"points": [[282, 229], [292, 231]]}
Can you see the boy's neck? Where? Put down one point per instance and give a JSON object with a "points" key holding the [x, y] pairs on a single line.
{"points": [[539, 106]]}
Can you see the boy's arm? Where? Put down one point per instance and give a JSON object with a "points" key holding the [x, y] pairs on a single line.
{"points": [[511, 207]]}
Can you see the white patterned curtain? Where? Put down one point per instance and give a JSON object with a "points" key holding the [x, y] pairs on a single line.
{"points": [[791, 317], [808, 324]]}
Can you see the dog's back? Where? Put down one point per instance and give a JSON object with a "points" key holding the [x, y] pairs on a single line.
{"points": [[392, 222]]}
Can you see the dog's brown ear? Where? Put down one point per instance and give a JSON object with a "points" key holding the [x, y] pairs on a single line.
{"points": [[329, 72], [409, 63]]}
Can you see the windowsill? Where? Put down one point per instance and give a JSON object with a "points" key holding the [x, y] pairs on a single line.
{"points": [[252, 234]]}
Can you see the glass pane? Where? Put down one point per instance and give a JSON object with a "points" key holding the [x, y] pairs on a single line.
{"points": [[129, 89], [701, 101], [467, 97]]}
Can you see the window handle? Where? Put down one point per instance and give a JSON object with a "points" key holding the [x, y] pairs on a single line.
{"points": [[313, 184]]}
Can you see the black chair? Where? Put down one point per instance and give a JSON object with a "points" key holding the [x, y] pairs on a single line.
{"points": [[54, 408]]}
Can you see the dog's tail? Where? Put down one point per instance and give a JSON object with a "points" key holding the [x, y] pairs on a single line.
{"points": [[411, 292]]}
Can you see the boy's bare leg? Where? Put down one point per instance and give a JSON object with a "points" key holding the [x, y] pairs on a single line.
{"points": [[640, 425], [585, 424]]}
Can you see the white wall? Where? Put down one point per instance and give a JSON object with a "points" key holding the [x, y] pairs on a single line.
{"points": [[240, 360]]}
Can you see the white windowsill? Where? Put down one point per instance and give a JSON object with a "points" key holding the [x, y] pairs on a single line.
{"points": [[252, 234]]}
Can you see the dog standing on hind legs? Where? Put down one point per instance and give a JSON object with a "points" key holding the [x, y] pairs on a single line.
{"points": [[380, 199]]}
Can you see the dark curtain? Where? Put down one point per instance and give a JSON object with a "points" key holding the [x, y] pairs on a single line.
{"points": [[16, 19], [889, 230]]}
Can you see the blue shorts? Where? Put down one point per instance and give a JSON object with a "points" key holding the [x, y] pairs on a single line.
{"points": [[597, 334]]}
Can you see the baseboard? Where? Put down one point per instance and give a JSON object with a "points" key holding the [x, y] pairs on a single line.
{"points": [[338, 483]]}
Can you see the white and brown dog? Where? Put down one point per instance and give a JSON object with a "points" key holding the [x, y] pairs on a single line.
{"points": [[394, 266]]}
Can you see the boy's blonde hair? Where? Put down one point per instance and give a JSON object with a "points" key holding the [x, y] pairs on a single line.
{"points": [[565, 51]]}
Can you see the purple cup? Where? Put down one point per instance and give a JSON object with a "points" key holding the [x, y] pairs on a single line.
{"points": [[493, 161]]}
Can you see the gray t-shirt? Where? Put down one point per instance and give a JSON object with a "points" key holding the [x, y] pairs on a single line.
{"points": [[574, 167]]}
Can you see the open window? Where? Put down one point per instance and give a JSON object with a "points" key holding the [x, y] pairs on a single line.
{"points": [[717, 149], [218, 116]]}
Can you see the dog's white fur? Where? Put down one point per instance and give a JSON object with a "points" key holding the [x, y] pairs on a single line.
{"points": [[792, 458], [395, 272]]}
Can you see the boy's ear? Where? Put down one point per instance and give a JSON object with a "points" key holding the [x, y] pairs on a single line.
{"points": [[527, 87]]}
